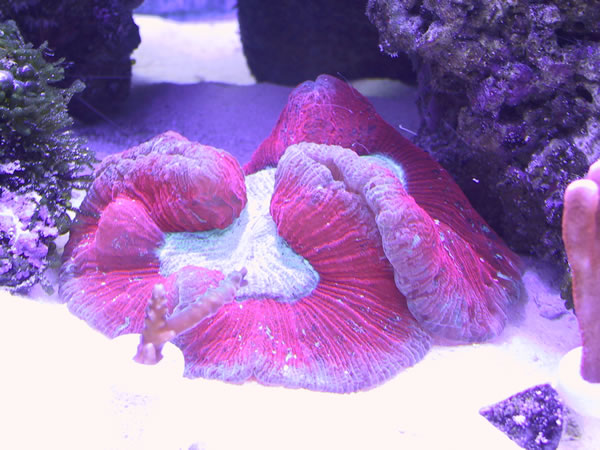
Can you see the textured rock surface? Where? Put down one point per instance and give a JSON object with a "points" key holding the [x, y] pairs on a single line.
{"points": [[510, 97], [287, 42], [534, 418], [95, 37], [25, 242]]}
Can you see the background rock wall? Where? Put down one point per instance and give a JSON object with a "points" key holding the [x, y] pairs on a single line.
{"points": [[509, 93], [289, 41]]}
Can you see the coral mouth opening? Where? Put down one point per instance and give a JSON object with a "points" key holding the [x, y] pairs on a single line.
{"points": [[275, 271]]}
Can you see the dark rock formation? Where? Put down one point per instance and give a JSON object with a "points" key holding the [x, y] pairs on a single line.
{"points": [[95, 37], [534, 418], [510, 93], [288, 41]]}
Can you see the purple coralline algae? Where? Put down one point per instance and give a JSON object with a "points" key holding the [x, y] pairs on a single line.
{"points": [[534, 418], [25, 242], [509, 94]]}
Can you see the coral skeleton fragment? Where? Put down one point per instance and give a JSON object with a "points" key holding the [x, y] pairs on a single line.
{"points": [[581, 227]]}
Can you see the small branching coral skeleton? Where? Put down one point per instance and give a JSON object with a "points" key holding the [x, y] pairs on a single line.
{"points": [[159, 328]]}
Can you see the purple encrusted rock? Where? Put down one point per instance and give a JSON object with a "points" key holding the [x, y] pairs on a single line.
{"points": [[533, 418], [509, 94], [25, 238]]}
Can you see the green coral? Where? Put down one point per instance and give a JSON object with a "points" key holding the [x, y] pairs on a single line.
{"points": [[40, 158]]}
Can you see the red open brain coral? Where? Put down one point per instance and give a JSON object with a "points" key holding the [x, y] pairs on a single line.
{"points": [[353, 262]]}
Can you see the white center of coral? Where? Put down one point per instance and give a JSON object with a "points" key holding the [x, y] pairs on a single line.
{"points": [[388, 163], [251, 241]]}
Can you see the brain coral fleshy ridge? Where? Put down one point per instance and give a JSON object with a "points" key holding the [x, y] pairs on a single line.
{"points": [[355, 329], [330, 111]]}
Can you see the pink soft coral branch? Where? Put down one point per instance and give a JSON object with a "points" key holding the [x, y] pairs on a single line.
{"points": [[581, 235], [159, 328]]}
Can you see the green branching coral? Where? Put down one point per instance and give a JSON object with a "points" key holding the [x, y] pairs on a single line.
{"points": [[41, 161]]}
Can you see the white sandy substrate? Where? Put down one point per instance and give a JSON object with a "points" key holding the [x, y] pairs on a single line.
{"points": [[56, 372], [189, 52]]}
